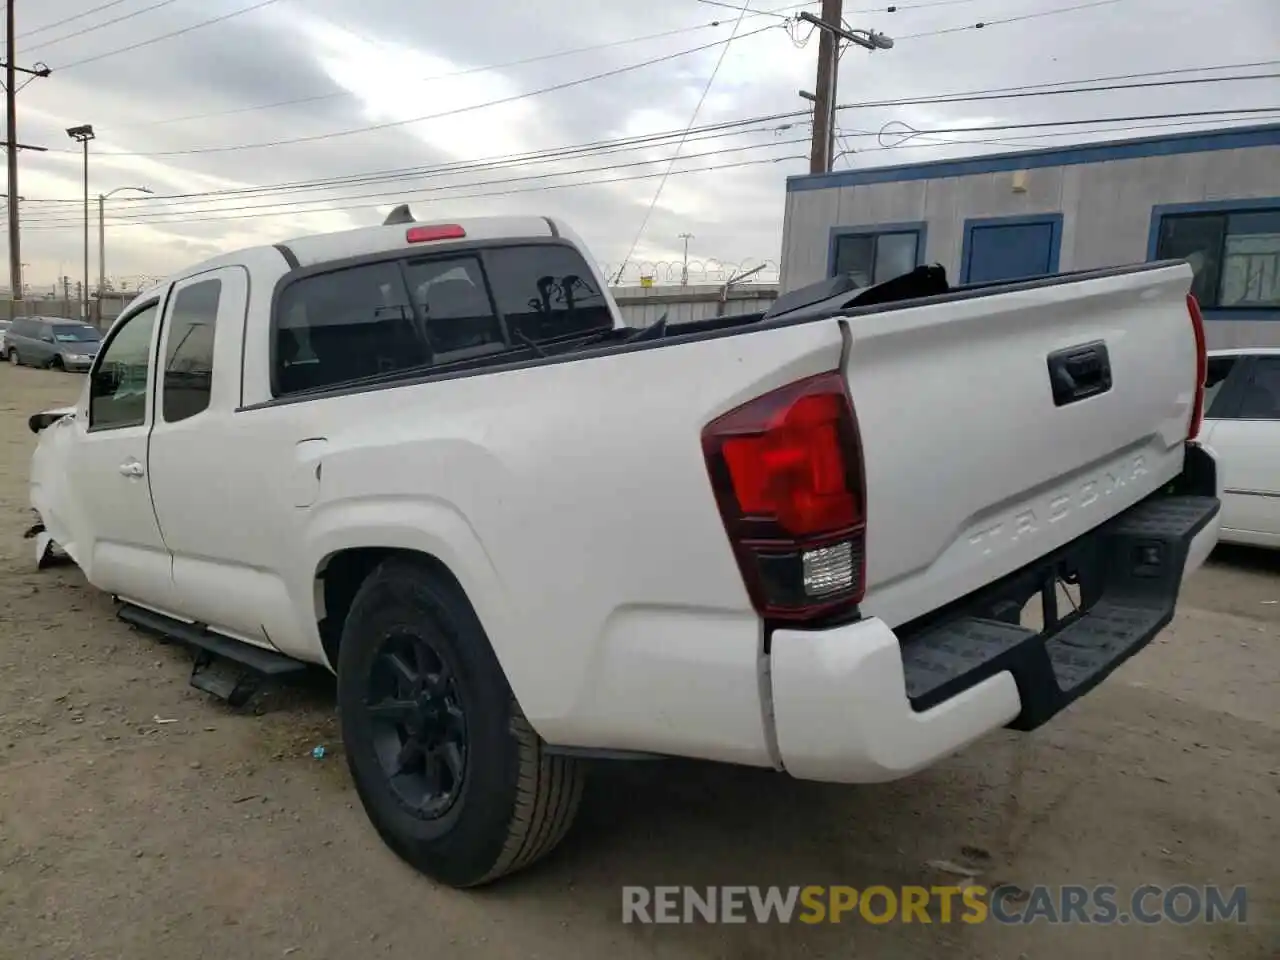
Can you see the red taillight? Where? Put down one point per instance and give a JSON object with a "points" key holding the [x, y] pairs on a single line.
{"points": [[787, 473], [442, 231], [1202, 366]]}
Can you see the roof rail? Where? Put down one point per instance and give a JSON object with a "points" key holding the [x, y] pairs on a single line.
{"points": [[400, 214]]}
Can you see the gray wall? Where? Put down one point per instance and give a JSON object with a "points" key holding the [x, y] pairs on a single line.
{"points": [[642, 306], [1106, 211]]}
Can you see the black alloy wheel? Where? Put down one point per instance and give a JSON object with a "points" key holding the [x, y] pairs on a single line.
{"points": [[418, 725]]}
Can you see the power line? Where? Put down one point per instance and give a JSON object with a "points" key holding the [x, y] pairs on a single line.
{"points": [[697, 107], [541, 58], [106, 23], [291, 206], [167, 36], [391, 124], [578, 151], [1000, 93], [982, 24], [1072, 123], [74, 16], [408, 195], [722, 128], [472, 196], [1015, 93]]}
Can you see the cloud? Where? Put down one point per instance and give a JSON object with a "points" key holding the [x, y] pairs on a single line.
{"points": [[352, 65]]}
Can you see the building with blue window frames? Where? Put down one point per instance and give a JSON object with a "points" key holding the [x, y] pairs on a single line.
{"points": [[1212, 198]]}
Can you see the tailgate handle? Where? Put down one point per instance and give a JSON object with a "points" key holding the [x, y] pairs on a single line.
{"points": [[1080, 372]]}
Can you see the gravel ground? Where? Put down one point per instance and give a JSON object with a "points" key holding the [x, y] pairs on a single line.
{"points": [[140, 819]]}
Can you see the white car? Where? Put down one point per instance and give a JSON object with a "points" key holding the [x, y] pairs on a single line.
{"points": [[432, 458], [1242, 423]]}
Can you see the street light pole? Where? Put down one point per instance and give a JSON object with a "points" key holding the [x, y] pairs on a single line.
{"points": [[102, 240], [82, 135], [684, 267]]}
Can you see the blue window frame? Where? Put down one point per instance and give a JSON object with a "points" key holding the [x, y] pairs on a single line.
{"points": [[1010, 248], [874, 254], [1234, 248]]}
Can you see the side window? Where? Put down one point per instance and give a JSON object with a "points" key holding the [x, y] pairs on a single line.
{"points": [[118, 388], [1262, 395], [188, 355], [546, 290], [452, 300], [332, 328]]}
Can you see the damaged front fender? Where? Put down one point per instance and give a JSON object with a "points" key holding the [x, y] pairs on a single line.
{"points": [[46, 418]]}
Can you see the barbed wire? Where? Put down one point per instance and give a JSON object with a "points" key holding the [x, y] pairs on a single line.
{"points": [[708, 270]]}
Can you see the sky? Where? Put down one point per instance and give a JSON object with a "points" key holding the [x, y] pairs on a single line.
{"points": [[199, 118]]}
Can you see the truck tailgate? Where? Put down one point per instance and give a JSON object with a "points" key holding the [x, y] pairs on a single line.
{"points": [[975, 465]]}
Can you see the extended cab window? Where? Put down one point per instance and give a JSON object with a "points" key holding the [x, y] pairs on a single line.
{"points": [[454, 304], [379, 318], [335, 327], [118, 388], [188, 355], [546, 290]]}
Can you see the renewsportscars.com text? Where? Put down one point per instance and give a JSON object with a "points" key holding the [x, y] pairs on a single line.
{"points": [[970, 904]]}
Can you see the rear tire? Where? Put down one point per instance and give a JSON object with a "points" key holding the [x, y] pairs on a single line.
{"points": [[450, 772]]}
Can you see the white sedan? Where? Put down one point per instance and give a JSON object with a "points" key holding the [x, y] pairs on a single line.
{"points": [[1242, 425]]}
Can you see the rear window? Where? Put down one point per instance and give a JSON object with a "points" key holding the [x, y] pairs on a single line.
{"points": [[379, 318]]}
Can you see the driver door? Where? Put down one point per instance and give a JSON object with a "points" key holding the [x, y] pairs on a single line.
{"points": [[121, 548]]}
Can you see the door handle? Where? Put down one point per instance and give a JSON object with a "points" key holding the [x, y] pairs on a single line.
{"points": [[131, 468]]}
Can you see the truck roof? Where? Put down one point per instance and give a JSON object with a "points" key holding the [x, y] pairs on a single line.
{"points": [[316, 248], [320, 247]]}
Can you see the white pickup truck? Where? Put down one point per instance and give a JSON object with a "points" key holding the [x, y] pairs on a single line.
{"points": [[432, 458]]}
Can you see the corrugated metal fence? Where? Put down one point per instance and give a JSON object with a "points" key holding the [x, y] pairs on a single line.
{"points": [[642, 306]]}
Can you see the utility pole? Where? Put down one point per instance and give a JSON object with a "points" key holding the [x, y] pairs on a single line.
{"points": [[831, 31], [12, 146], [684, 268], [825, 89]]}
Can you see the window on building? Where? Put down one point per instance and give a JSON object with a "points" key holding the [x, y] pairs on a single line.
{"points": [[1235, 255], [188, 355], [874, 257]]}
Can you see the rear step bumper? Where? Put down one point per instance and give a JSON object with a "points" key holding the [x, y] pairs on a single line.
{"points": [[862, 703]]}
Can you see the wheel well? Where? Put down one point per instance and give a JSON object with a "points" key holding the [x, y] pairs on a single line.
{"points": [[339, 579]]}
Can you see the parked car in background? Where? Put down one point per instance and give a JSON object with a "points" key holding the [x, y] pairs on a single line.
{"points": [[4, 326], [1242, 424], [52, 342]]}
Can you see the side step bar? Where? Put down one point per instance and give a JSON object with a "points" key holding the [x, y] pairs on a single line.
{"points": [[230, 670]]}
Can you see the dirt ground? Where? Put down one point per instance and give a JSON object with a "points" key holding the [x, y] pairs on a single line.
{"points": [[139, 819]]}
